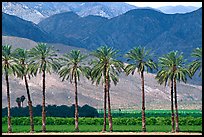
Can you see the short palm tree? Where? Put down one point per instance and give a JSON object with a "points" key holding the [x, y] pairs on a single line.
{"points": [[22, 99], [107, 68], [45, 60], [9, 66], [140, 59], [18, 101], [71, 68], [173, 69], [197, 63]]}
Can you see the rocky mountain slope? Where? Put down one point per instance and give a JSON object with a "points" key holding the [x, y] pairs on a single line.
{"points": [[36, 11], [145, 27], [15, 26], [177, 9], [127, 94]]}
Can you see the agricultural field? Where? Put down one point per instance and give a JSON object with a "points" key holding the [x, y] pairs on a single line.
{"points": [[151, 113], [191, 123]]}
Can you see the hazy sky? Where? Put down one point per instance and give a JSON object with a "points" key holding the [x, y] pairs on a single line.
{"points": [[160, 4]]}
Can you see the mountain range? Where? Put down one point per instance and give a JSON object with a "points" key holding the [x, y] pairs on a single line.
{"points": [[15, 26], [145, 27], [37, 11], [177, 9]]}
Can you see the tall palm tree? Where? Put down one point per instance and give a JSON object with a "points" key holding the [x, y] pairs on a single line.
{"points": [[173, 69], [140, 59], [71, 68], [44, 59], [197, 63], [23, 59], [107, 68], [9, 66], [18, 101]]}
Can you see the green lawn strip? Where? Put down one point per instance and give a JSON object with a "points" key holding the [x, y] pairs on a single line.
{"points": [[98, 128]]}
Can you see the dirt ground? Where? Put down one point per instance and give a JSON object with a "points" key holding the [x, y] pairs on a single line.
{"points": [[106, 133]]}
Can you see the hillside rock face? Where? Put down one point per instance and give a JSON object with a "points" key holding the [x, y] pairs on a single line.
{"points": [[21, 10]]}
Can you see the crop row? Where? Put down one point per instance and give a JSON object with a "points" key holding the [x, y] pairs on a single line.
{"points": [[152, 113], [99, 121]]}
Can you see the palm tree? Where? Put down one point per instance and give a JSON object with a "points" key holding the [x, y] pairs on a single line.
{"points": [[9, 66], [173, 69], [22, 99], [140, 59], [23, 59], [197, 63], [107, 68], [71, 68], [44, 59], [18, 101]]}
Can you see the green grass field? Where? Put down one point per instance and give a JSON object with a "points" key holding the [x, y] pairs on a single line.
{"points": [[98, 128]]}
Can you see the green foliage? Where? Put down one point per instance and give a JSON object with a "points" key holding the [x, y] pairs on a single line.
{"points": [[172, 67], [23, 59], [88, 111], [99, 121], [90, 121], [9, 62], [72, 66], [105, 65], [151, 121], [55, 111], [140, 59], [197, 63], [43, 58]]}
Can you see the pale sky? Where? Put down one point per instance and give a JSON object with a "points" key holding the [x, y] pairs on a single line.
{"points": [[160, 4]]}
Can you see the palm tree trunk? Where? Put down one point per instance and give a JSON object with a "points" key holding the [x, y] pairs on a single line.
{"points": [[30, 105], [19, 104], [43, 105], [176, 106], [9, 105], [76, 105], [143, 104], [109, 106], [172, 107], [105, 96], [104, 115]]}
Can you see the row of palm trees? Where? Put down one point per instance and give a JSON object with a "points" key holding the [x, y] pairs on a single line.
{"points": [[104, 68]]}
